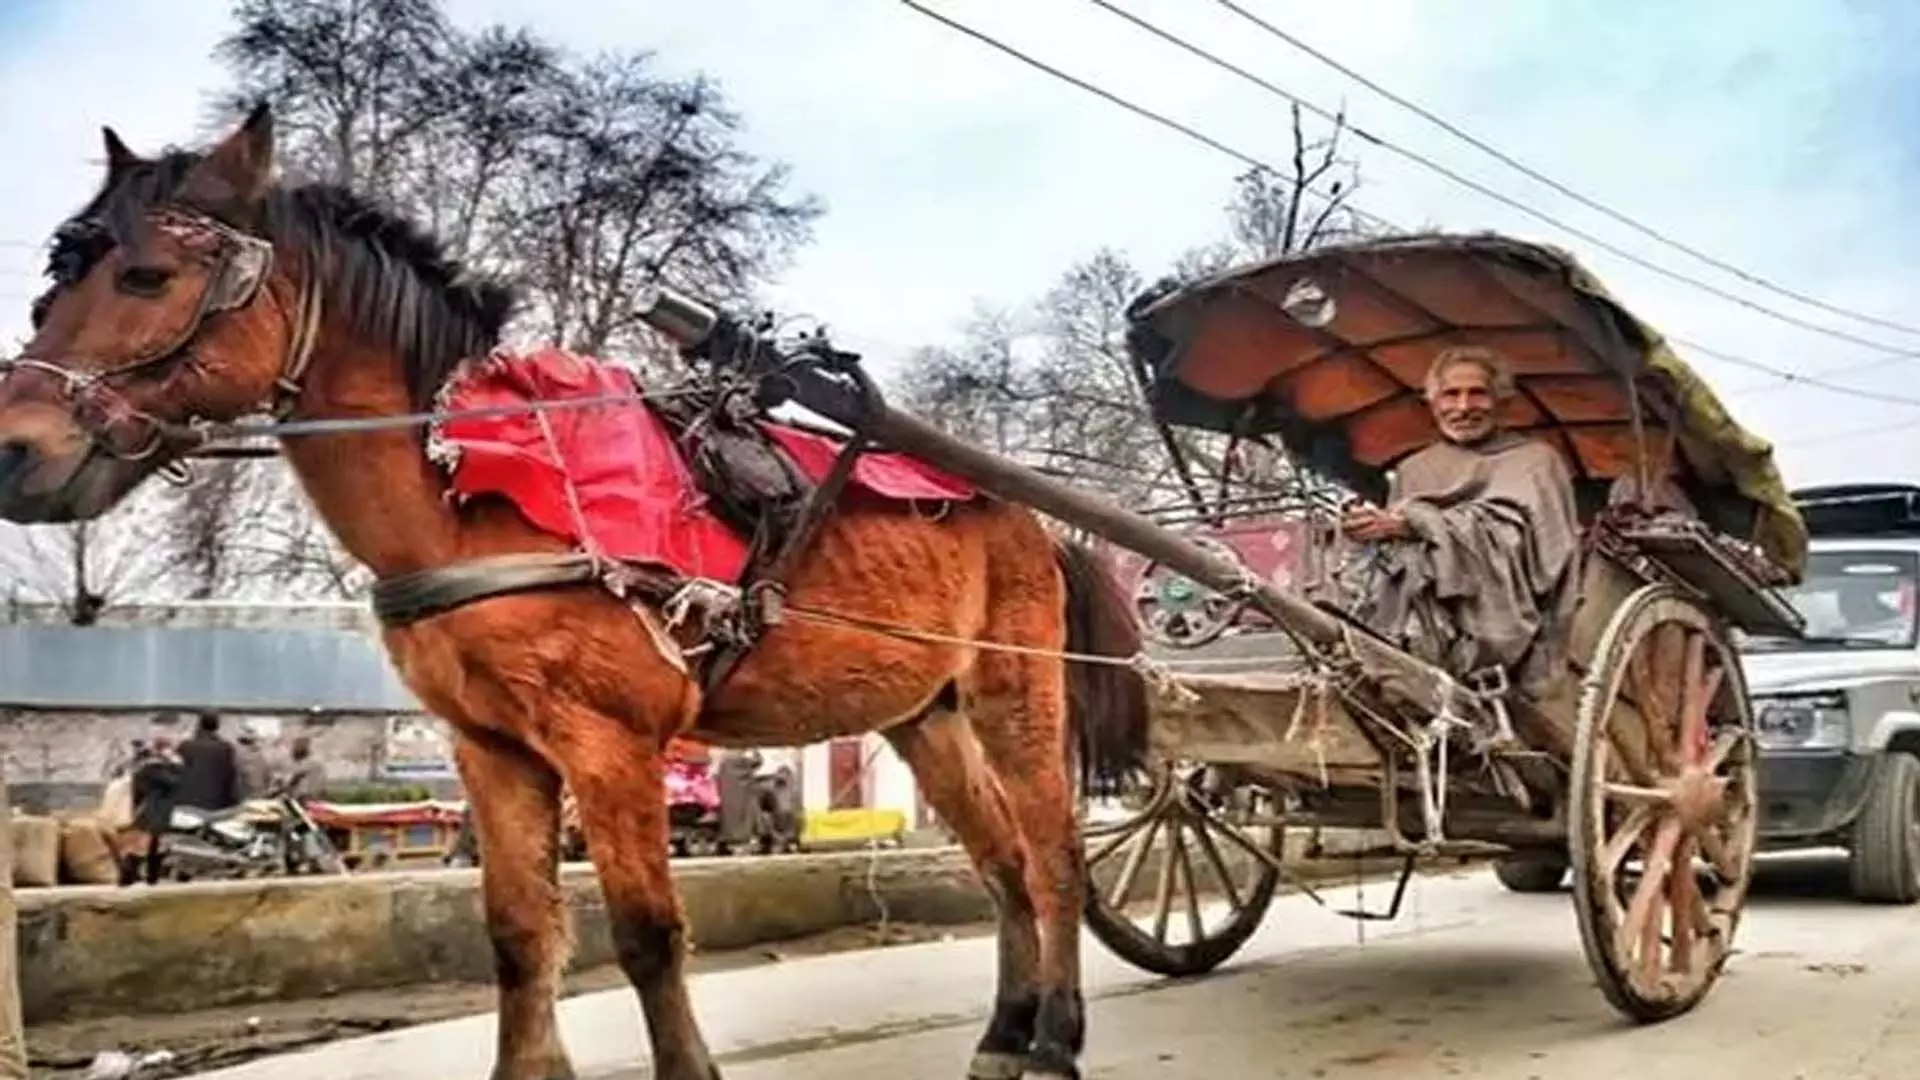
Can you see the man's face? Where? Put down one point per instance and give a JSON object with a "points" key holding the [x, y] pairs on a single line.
{"points": [[1463, 403]]}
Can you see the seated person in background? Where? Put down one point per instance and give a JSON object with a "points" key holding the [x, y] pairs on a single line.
{"points": [[1481, 536]]}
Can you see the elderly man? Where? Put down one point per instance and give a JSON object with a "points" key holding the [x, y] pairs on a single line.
{"points": [[1480, 536]]}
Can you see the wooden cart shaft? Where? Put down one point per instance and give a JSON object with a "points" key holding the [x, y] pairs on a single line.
{"points": [[1401, 676]]}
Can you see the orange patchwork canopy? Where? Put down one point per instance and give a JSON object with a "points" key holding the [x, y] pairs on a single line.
{"points": [[1328, 351]]}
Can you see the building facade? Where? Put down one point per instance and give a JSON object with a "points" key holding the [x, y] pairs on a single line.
{"points": [[59, 757]]}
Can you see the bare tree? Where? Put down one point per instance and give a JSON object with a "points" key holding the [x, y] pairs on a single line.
{"points": [[353, 82], [636, 180], [86, 566], [978, 389], [587, 180], [1274, 214], [1074, 401], [583, 180]]}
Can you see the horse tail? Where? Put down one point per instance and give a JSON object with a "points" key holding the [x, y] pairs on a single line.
{"points": [[1106, 703]]}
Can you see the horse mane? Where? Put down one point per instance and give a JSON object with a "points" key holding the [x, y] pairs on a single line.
{"points": [[388, 278]]}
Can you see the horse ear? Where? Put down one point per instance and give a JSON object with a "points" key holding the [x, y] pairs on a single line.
{"points": [[239, 169], [119, 158]]}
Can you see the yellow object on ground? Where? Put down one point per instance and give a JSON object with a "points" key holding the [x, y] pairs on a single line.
{"points": [[844, 826]]}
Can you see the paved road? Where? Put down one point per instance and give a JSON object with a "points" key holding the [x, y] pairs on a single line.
{"points": [[1471, 982]]}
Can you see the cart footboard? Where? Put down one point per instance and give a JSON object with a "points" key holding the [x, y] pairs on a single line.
{"points": [[1281, 722], [1295, 731]]}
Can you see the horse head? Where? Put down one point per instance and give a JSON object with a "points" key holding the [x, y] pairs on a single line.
{"points": [[163, 311]]}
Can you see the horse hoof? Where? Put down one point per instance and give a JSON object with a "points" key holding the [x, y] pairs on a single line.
{"points": [[992, 1065]]}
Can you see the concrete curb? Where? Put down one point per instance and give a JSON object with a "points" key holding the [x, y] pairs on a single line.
{"points": [[100, 951]]}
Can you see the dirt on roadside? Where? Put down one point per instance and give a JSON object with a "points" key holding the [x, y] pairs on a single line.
{"points": [[219, 1038]]}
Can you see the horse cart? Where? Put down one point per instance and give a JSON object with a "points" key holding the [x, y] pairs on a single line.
{"points": [[1636, 769]]}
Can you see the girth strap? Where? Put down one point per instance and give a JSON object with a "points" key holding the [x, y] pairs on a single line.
{"points": [[763, 586], [422, 594]]}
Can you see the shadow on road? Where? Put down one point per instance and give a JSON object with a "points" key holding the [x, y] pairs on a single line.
{"points": [[1801, 879]]}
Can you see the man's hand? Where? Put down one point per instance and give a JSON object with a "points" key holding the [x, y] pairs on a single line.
{"points": [[1369, 523]]}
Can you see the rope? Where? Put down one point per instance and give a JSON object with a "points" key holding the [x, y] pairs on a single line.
{"points": [[872, 882], [931, 637], [1158, 677]]}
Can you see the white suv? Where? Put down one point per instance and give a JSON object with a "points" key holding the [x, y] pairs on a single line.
{"points": [[1838, 711]]}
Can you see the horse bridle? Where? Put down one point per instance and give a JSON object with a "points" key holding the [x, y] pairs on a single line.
{"points": [[241, 266]]}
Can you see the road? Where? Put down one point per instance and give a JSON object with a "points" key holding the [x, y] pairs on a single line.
{"points": [[1471, 981]]}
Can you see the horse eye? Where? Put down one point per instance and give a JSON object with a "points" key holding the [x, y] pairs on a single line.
{"points": [[144, 280]]}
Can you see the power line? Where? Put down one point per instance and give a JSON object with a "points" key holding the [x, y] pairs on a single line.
{"points": [[1852, 434], [1584, 200], [1255, 162], [1108, 95], [1829, 373], [1793, 377], [1480, 188]]}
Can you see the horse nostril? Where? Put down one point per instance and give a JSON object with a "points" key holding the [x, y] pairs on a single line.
{"points": [[15, 456]]}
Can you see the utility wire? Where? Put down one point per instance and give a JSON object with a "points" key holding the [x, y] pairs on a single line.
{"points": [[1584, 200], [1255, 162], [1480, 188], [1830, 373], [1793, 377], [1849, 435]]}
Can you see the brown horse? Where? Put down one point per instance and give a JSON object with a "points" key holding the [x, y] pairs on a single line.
{"points": [[195, 288]]}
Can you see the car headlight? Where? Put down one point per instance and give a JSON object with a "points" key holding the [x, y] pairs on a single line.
{"points": [[1802, 722]]}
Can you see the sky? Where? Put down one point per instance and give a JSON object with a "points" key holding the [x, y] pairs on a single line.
{"points": [[1778, 136]]}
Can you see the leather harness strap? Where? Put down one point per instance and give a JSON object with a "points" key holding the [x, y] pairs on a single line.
{"points": [[764, 587], [409, 598]]}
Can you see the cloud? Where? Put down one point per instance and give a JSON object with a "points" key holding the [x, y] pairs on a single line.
{"points": [[141, 68], [1777, 136]]}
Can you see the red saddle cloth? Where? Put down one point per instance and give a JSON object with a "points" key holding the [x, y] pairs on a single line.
{"points": [[608, 477]]}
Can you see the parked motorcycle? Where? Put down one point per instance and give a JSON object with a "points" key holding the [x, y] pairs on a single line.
{"points": [[264, 837], [759, 805]]}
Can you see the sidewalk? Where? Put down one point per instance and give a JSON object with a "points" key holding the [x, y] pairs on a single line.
{"points": [[823, 1001]]}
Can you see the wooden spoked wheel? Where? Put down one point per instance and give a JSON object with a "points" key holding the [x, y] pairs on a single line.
{"points": [[1180, 612], [1189, 839], [1663, 804]]}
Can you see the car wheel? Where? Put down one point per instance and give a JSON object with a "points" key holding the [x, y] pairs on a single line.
{"points": [[1886, 836], [1533, 872]]}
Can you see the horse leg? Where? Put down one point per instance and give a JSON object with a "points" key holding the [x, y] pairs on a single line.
{"points": [[1023, 709], [514, 798], [1019, 715], [618, 779], [947, 764]]}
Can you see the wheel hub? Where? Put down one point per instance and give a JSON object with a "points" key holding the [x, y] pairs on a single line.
{"points": [[1699, 798]]}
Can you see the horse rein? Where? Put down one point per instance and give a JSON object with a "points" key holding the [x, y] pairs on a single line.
{"points": [[241, 266]]}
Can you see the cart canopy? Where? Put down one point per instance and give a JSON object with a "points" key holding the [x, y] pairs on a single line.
{"points": [[1328, 351]]}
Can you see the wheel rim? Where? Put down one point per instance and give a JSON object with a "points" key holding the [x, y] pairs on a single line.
{"points": [[1199, 839], [1680, 802]]}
